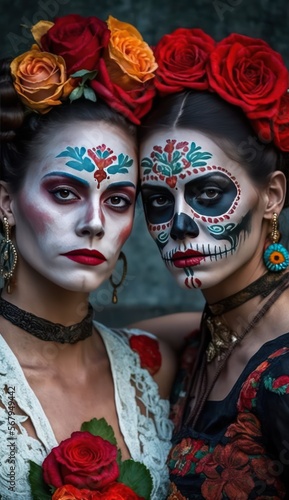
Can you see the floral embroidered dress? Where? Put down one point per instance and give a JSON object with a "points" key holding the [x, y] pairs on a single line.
{"points": [[240, 447], [147, 433]]}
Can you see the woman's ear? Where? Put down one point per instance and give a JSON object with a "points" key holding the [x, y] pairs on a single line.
{"points": [[6, 203], [276, 194]]}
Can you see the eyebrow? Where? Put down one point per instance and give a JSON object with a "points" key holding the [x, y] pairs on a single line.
{"points": [[153, 187], [116, 185], [66, 174]]}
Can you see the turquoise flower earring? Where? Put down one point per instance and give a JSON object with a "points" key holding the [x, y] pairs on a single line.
{"points": [[276, 257]]}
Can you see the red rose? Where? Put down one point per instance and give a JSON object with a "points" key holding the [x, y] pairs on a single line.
{"points": [[281, 124], [148, 351], [264, 129], [79, 40], [133, 104], [119, 491], [248, 73], [182, 57], [83, 460], [68, 492]]}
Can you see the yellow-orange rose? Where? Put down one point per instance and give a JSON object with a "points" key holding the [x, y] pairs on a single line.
{"points": [[40, 79], [129, 60], [39, 29]]}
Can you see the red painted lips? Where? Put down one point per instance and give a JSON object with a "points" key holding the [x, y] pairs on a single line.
{"points": [[187, 259], [86, 257]]}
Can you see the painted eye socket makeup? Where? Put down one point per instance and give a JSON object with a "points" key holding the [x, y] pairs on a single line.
{"points": [[212, 195], [158, 204]]}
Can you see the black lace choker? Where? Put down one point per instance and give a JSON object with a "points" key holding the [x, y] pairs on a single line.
{"points": [[222, 337], [44, 329]]}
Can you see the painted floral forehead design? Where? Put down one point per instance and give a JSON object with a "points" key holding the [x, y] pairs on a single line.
{"points": [[101, 160], [243, 71], [84, 56], [173, 161]]}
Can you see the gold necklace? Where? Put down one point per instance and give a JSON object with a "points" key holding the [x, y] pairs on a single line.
{"points": [[222, 337]]}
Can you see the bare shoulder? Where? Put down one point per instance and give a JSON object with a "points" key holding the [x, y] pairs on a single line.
{"points": [[172, 329]]}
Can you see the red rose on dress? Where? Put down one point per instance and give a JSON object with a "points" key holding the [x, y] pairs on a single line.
{"points": [[119, 491], [79, 40], [246, 72], [83, 460], [281, 124], [69, 492], [182, 58], [148, 351]]}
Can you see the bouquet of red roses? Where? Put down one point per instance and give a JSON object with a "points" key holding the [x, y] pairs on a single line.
{"points": [[88, 466]]}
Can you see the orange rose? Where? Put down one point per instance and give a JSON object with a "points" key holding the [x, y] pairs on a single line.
{"points": [[129, 60], [69, 492], [40, 79], [39, 29]]}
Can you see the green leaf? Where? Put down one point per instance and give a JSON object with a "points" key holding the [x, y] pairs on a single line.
{"points": [[89, 94], [99, 427], [39, 490], [147, 171], [137, 477], [86, 74], [76, 94]]}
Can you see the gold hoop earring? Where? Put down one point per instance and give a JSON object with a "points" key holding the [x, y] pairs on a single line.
{"points": [[116, 285], [8, 256]]}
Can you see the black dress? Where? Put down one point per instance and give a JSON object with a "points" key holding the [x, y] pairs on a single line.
{"points": [[240, 447]]}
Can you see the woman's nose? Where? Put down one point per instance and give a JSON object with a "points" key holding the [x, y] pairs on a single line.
{"points": [[91, 223], [183, 226]]}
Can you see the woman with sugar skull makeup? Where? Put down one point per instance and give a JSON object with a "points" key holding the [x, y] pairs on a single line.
{"points": [[67, 193], [214, 172]]}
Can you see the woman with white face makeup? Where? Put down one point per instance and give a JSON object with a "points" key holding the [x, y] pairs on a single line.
{"points": [[67, 193], [214, 171]]}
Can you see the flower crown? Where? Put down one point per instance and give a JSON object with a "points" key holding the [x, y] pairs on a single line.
{"points": [[84, 56], [243, 71]]}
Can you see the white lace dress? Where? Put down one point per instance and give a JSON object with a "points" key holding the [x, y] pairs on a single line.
{"points": [[147, 436]]}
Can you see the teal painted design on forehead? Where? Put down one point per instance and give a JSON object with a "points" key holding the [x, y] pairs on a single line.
{"points": [[101, 160], [69, 176], [173, 160]]}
